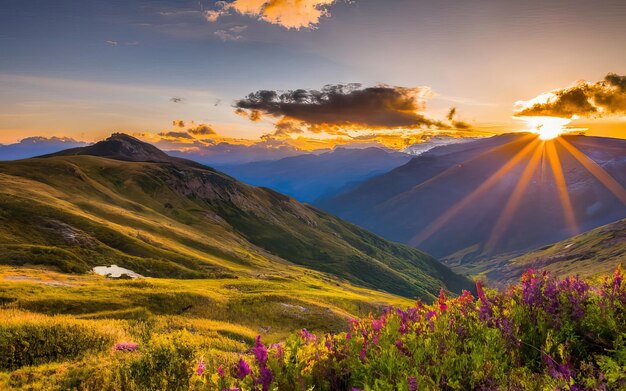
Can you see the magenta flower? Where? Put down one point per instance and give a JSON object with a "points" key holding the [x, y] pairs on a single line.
{"points": [[307, 336], [260, 352], [201, 368], [243, 369], [220, 371], [412, 383], [377, 324]]}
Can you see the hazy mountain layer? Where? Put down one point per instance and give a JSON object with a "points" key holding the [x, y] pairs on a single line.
{"points": [[311, 177]]}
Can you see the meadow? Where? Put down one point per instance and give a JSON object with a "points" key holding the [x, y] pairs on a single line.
{"points": [[542, 333]]}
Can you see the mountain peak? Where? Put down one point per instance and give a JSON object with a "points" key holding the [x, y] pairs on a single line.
{"points": [[121, 146]]}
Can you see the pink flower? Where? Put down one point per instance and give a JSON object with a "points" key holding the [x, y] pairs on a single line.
{"points": [[220, 371], [201, 368], [377, 324]]}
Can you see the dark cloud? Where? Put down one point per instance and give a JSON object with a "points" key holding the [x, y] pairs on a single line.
{"points": [[178, 123], [201, 130], [335, 108], [176, 135], [605, 97], [176, 99], [451, 114]]}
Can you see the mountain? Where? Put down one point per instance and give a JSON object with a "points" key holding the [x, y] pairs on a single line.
{"points": [[225, 153], [593, 253], [169, 217], [311, 177], [434, 142], [36, 146], [496, 196]]}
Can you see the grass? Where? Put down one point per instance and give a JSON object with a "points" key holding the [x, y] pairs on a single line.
{"points": [[162, 220], [84, 315]]}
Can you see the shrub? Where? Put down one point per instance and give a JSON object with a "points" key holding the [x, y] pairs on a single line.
{"points": [[29, 339]]}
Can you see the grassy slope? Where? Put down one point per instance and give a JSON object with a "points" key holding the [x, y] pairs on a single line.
{"points": [[181, 221], [589, 254]]}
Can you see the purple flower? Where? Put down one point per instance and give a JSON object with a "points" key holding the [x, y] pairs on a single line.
{"points": [[243, 369], [307, 336], [220, 371], [201, 368], [265, 378], [260, 352], [377, 324], [412, 383]]}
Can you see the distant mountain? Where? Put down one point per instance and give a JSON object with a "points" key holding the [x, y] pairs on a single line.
{"points": [[36, 146], [457, 202], [434, 142], [169, 217], [311, 177], [225, 153], [593, 253]]}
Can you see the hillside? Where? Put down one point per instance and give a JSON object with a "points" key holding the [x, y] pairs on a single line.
{"points": [[589, 254], [457, 202], [178, 219], [310, 177]]}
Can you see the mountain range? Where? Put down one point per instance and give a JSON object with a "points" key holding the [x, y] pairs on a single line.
{"points": [[311, 177], [122, 201], [494, 197]]}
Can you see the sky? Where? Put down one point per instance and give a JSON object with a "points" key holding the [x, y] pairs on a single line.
{"points": [[189, 73]]}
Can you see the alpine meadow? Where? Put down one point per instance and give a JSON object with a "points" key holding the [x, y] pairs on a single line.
{"points": [[332, 195]]}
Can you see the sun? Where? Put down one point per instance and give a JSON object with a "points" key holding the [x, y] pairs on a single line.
{"points": [[547, 127]]}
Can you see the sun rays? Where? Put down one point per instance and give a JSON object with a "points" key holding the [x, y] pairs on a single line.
{"points": [[537, 156]]}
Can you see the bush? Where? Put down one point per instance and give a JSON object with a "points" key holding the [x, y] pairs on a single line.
{"points": [[29, 339]]}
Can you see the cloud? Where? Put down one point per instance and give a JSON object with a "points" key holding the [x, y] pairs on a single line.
{"points": [[231, 34], [176, 99], [291, 14], [112, 43], [175, 135], [178, 123], [337, 108], [201, 130], [603, 98]]}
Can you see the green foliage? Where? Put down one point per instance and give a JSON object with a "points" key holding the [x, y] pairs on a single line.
{"points": [[34, 340]]}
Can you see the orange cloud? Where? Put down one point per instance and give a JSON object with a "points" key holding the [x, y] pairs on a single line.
{"points": [[291, 14]]}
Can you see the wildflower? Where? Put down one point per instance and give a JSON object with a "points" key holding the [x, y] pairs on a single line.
{"points": [[126, 347], [220, 371], [442, 301], [265, 378], [243, 369], [412, 383], [260, 352], [201, 368], [307, 336], [377, 324], [279, 350]]}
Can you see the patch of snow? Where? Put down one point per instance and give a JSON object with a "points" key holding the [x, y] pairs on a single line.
{"points": [[115, 271]]}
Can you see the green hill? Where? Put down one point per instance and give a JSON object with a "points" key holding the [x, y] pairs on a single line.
{"points": [[168, 217], [593, 253]]}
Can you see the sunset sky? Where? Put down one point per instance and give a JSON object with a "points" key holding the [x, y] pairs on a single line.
{"points": [[182, 71]]}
